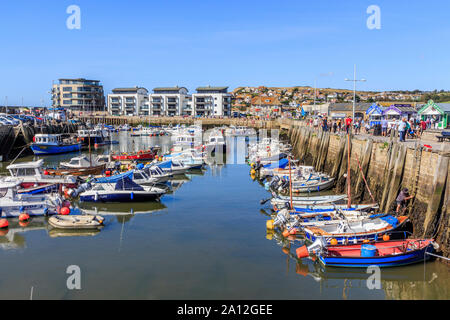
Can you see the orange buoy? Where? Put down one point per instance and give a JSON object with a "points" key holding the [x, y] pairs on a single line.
{"points": [[46, 173], [333, 242], [65, 211], [24, 224], [24, 217], [301, 269], [366, 241], [302, 252], [4, 223], [386, 237], [285, 233]]}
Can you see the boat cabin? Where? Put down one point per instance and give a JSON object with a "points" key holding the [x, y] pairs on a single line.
{"points": [[79, 162], [26, 169], [48, 139]]}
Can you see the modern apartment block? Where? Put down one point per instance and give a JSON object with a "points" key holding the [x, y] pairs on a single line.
{"points": [[78, 95], [169, 101], [128, 101], [212, 101]]}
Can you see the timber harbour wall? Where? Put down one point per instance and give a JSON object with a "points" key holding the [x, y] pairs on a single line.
{"points": [[388, 167]]}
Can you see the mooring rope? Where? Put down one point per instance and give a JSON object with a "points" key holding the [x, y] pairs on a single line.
{"points": [[438, 256]]}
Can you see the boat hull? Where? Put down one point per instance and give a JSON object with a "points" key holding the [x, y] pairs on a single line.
{"points": [[121, 197], [408, 257], [40, 149]]}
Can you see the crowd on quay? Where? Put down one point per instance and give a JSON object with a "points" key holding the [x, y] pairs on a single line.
{"points": [[412, 128]]}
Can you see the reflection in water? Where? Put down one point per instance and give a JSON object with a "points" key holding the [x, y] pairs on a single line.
{"points": [[419, 281], [56, 233], [14, 236], [212, 222]]}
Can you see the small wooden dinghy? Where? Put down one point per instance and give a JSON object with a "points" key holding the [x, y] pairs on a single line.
{"points": [[76, 222]]}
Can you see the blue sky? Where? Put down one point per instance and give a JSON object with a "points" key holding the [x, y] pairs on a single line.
{"points": [[234, 43]]}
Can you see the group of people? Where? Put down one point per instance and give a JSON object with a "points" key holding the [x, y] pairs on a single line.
{"points": [[412, 128]]}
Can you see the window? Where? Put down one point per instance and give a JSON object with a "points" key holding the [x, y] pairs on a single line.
{"points": [[67, 89], [22, 172], [138, 176]]}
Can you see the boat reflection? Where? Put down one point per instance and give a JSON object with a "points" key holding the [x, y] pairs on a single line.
{"points": [[121, 209], [56, 233], [13, 238], [418, 281]]}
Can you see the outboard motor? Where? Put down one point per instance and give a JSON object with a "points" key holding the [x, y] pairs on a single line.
{"points": [[315, 248]]}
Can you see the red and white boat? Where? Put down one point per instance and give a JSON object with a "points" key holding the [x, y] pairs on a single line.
{"points": [[32, 174], [140, 155]]}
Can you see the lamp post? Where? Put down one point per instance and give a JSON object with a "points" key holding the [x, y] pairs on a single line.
{"points": [[354, 80]]}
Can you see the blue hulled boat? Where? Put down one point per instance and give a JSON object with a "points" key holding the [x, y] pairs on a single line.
{"points": [[52, 144], [382, 254]]}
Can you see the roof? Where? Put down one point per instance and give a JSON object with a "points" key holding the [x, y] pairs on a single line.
{"points": [[349, 106], [78, 79], [33, 164], [440, 107], [209, 88], [177, 88], [272, 101], [133, 89]]}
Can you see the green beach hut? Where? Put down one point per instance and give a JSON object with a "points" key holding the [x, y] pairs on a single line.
{"points": [[438, 111]]}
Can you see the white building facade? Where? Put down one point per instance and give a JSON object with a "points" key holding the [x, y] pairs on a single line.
{"points": [[170, 101], [128, 101], [212, 101]]}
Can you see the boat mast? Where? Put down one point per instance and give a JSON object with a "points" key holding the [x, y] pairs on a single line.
{"points": [[290, 183], [349, 201]]}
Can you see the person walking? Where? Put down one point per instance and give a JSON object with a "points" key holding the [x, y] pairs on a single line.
{"points": [[335, 126], [384, 126], [402, 130]]}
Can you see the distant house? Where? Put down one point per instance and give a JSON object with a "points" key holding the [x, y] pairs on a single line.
{"points": [[262, 106], [437, 111]]}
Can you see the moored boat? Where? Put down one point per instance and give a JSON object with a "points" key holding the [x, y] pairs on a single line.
{"points": [[355, 232], [382, 254], [140, 155], [76, 221], [45, 144], [124, 190], [32, 174], [13, 204]]}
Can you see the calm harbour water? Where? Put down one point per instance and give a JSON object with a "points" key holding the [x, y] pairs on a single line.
{"points": [[206, 240]]}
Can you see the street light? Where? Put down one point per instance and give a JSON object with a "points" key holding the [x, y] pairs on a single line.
{"points": [[354, 80]]}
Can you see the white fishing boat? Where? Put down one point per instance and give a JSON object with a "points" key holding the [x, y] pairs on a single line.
{"points": [[12, 203], [32, 174]]}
